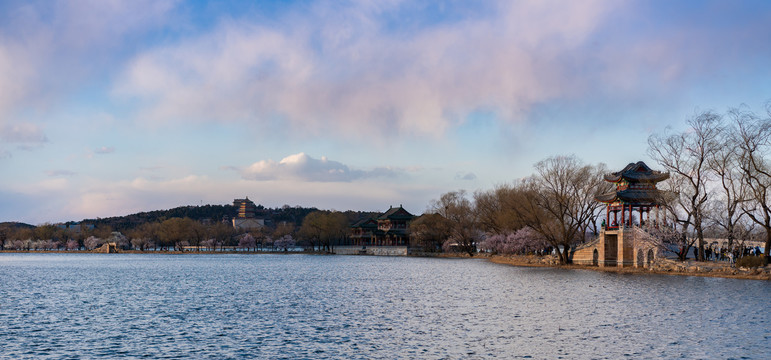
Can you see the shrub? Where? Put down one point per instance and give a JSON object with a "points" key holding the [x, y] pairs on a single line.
{"points": [[751, 262]]}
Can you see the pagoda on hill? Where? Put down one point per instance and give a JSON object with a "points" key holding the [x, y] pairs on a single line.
{"points": [[635, 190], [246, 216], [246, 208]]}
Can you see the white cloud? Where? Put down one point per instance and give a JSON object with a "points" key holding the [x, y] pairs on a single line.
{"points": [[24, 133], [47, 48], [346, 75], [306, 168]]}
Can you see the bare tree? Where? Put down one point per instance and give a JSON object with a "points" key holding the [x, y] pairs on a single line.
{"points": [[429, 231], [3, 236], [220, 233], [140, 243], [674, 205], [324, 228], [724, 161], [754, 145], [558, 201], [686, 156], [495, 210], [459, 213], [149, 231], [198, 233], [595, 184], [175, 232]]}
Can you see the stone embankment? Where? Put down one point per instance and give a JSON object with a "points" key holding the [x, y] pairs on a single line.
{"points": [[661, 266], [709, 267]]}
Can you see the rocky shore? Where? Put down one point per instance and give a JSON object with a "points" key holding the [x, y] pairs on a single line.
{"points": [[663, 266]]}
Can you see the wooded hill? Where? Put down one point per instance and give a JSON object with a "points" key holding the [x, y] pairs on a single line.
{"points": [[215, 213], [15, 225]]}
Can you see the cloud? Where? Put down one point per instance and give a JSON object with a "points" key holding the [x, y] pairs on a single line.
{"points": [[105, 150], [469, 176], [306, 168], [47, 48], [61, 200], [25, 133], [339, 70]]}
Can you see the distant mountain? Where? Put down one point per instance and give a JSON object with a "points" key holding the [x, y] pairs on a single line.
{"points": [[210, 212], [16, 225]]}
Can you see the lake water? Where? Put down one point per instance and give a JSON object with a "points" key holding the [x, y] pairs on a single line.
{"points": [[75, 306]]}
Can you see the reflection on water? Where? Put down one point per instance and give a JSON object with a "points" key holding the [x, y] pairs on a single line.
{"points": [[304, 306]]}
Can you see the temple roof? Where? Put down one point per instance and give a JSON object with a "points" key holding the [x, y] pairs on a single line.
{"points": [[365, 223], [635, 173], [395, 213], [632, 196]]}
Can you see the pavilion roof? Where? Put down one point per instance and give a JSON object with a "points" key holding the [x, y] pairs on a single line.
{"points": [[396, 213], [632, 196], [365, 223], [636, 173]]}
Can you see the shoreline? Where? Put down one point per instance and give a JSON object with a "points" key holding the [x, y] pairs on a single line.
{"points": [[724, 272]]}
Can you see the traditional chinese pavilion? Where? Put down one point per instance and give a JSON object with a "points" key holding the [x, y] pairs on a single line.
{"points": [[635, 193], [388, 229]]}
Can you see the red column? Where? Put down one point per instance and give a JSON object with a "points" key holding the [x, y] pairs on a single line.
{"points": [[623, 210]]}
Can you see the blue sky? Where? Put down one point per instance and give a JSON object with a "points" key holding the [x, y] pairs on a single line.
{"points": [[114, 107]]}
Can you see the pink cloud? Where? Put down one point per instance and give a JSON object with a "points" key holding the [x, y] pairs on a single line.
{"points": [[303, 167], [348, 77]]}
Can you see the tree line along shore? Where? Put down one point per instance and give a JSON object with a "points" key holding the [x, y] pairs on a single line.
{"points": [[719, 187]]}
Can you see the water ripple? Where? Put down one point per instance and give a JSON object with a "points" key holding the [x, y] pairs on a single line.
{"points": [[72, 306]]}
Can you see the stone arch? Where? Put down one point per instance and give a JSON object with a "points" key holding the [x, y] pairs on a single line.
{"points": [[595, 258], [640, 261], [649, 259]]}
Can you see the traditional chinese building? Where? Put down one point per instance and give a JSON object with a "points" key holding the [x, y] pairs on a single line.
{"points": [[245, 208], [388, 229], [246, 215], [393, 227], [628, 207], [364, 232], [635, 193]]}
